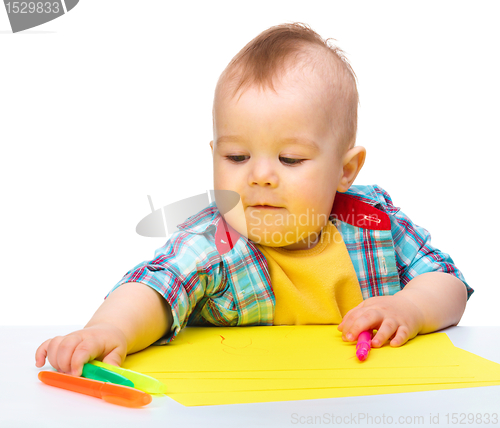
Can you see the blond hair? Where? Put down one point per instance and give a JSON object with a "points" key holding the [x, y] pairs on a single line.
{"points": [[278, 48]]}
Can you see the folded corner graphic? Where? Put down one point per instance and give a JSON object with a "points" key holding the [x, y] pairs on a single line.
{"points": [[152, 226], [28, 14]]}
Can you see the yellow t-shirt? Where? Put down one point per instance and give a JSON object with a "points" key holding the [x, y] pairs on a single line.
{"points": [[314, 286]]}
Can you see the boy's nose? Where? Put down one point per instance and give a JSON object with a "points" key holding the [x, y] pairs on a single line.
{"points": [[263, 174]]}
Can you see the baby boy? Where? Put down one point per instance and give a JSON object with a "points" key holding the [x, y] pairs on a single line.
{"points": [[303, 245]]}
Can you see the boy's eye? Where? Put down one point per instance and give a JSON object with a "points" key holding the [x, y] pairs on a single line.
{"points": [[237, 158], [242, 158], [291, 161]]}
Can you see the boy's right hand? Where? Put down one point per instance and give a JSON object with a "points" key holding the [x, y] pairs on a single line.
{"points": [[69, 353]]}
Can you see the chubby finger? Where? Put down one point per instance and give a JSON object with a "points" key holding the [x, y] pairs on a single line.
{"points": [[41, 353], [401, 337], [384, 332], [52, 351], [347, 316], [65, 352], [365, 319], [348, 321], [85, 351], [114, 357]]}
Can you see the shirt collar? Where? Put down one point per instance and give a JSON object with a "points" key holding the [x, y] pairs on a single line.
{"points": [[202, 221], [210, 219]]}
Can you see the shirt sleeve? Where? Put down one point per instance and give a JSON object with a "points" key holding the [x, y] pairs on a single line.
{"points": [[415, 254], [183, 271]]}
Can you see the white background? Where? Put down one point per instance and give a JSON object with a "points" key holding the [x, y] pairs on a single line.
{"points": [[112, 102]]}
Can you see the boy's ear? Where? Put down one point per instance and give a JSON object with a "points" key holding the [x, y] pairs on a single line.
{"points": [[351, 165], [212, 147]]}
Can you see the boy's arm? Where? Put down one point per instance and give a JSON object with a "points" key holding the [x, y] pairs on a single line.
{"points": [[440, 297], [131, 318], [140, 312], [432, 291]]}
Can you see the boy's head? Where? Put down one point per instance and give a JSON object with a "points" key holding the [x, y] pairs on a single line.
{"points": [[285, 118]]}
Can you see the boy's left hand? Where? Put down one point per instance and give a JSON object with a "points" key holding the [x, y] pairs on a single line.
{"points": [[395, 317]]}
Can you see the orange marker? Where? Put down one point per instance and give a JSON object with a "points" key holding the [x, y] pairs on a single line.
{"points": [[116, 394]]}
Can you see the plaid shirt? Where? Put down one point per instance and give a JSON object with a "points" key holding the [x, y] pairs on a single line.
{"points": [[211, 275]]}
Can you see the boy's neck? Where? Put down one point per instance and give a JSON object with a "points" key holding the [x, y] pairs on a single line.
{"points": [[293, 247]]}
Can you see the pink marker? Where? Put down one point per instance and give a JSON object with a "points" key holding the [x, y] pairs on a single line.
{"points": [[363, 345]]}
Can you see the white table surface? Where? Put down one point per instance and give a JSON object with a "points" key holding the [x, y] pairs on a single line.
{"points": [[27, 402]]}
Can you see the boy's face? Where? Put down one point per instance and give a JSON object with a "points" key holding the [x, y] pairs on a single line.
{"points": [[277, 149]]}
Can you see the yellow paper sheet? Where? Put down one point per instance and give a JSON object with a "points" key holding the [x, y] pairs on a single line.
{"points": [[215, 365]]}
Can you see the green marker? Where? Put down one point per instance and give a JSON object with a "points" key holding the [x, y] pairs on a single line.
{"points": [[141, 381], [91, 371]]}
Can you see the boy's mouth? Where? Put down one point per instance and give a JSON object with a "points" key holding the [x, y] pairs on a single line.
{"points": [[265, 207]]}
